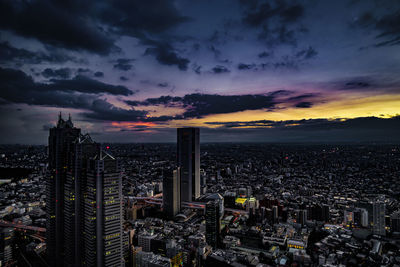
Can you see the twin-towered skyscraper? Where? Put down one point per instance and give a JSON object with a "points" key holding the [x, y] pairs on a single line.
{"points": [[83, 201]]}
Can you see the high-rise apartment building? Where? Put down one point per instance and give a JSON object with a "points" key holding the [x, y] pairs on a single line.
{"points": [[188, 158]]}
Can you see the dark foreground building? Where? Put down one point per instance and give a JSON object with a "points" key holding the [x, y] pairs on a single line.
{"points": [[83, 201]]}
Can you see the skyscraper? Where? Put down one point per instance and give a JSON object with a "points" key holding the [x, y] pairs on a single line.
{"points": [[103, 213], [61, 142], [188, 157], [379, 217], [84, 148], [171, 192], [213, 223], [83, 202]]}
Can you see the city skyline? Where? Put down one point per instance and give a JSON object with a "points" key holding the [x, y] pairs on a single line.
{"points": [[276, 71]]}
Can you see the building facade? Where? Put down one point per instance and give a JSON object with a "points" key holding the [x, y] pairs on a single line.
{"points": [[171, 192], [188, 158]]}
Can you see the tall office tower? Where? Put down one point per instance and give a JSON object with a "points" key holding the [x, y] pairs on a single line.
{"points": [[172, 192], [84, 148], [188, 158], [103, 212], [213, 223], [379, 216], [61, 144]]}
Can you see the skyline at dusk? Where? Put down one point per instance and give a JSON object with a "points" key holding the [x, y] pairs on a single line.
{"points": [[242, 71]]}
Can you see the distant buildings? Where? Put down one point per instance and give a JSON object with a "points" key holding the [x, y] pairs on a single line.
{"points": [[188, 158]]}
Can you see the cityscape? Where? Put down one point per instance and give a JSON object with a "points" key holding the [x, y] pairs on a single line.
{"points": [[88, 204], [201, 133]]}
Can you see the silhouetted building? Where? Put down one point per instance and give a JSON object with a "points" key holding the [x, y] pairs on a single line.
{"points": [[171, 192], [61, 145], [83, 202], [213, 223], [188, 158]]}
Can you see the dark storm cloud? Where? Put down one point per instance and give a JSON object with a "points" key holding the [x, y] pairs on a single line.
{"points": [[163, 84], [260, 12], [199, 105], [63, 73], [51, 23], [104, 111], [9, 53], [166, 55], [301, 97], [243, 66], [387, 26], [123, 78], [356, 85], [264, 54], [220, 69], [308, 53], [86, 85], [99, 74], [123, 64], [291, 61], [17, 87], [275, 19], [304, 105], [277, 36], [136, 17]]}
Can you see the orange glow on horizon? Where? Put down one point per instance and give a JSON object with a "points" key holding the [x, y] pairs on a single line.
{"points": [[127, 124]]}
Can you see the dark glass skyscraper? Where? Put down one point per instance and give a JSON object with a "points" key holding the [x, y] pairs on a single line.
{"points": [[83, 201], [171, 192], [61, 145], [188, 157]]}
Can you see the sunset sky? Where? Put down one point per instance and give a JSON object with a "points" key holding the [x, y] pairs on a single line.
{"points": [[242, 71]]}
